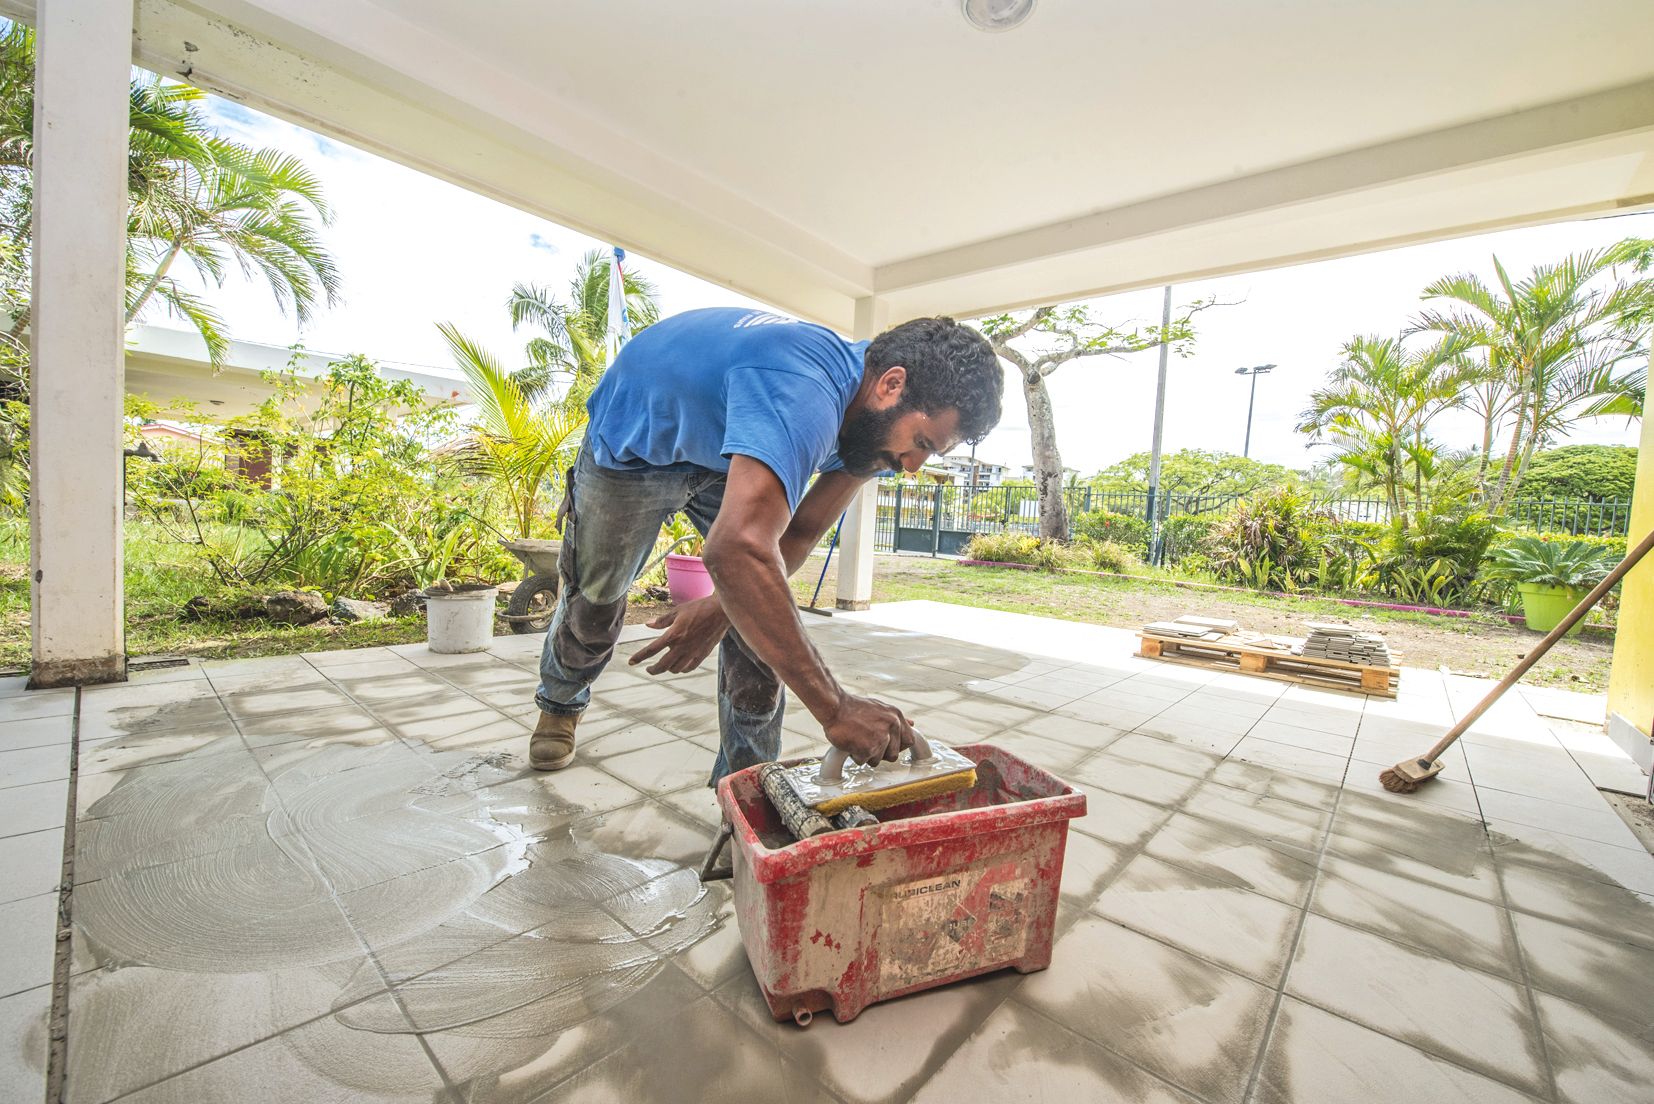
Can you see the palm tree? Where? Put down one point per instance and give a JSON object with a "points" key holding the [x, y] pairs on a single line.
{"points": [[214, 202], [1555, 345], [1377, 406], [255, 209], [574, 337], [521, 446]]}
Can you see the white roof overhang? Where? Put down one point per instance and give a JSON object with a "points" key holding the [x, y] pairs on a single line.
{"points": [[811, 155]]}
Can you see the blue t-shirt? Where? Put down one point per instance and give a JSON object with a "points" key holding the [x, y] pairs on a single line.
{"points": [[705, 385]]}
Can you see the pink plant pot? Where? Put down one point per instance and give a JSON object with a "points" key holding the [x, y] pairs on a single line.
{"points": [[686, 578]]}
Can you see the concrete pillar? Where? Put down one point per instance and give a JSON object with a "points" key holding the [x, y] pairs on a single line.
{"points": [[82, 69], [1631, 679], [855, 539]]}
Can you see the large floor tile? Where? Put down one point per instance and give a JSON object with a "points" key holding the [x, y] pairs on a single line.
{"points": [[1321, 765], [1419, 914], [1597, 1060], [1133, 779], [711, 1055], [136, 1025], [37, 703], [1195, 1024], [1546, 884], [515, 1055], [27, 766], [888, 1051], [34, 807], [1600, 824], [1019, 1055], [1468, 1017], [36, 732], [1271, 867], [1114, 818], [31, 864], [28, 940], [23, 1044], [323, 1061], [662, 769], [1315, 1056], [1247, 932], [1606, 974]]}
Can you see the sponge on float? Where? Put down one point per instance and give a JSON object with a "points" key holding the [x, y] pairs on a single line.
{"points": [[833, 787]]}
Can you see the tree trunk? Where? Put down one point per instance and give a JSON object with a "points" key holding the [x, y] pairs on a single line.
{"points": [[154, 281], [1042, 431], [1497, 500]]}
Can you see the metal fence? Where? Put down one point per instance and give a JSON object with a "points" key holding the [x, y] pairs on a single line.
{"points": [[940, 519]]}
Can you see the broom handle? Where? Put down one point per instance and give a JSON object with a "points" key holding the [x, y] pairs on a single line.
{"points": [[1538, 653]]}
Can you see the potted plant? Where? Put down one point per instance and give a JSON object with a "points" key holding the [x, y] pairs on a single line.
{"points": [[686, 575], [1551, 576]]}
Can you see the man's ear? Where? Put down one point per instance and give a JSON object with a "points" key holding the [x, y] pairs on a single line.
{"points": [[891, 383]]}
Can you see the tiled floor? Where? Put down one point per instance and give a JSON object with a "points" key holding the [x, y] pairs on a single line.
{"points": [[331, 878]]}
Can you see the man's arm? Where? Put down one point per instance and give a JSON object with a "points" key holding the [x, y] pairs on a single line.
{"points": [[826, 499], [694, 629], [744, 554]]}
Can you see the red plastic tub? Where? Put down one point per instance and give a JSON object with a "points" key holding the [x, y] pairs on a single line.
{"points": [[942, 889]]}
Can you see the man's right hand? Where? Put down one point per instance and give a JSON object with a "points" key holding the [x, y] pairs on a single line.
{"points": [[869, 730]]}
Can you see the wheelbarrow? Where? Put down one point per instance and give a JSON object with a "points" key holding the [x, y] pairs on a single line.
{"points": [[535, 599]]}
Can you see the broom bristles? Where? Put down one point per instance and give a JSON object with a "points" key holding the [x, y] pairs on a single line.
{"points": [[1395, 783]]}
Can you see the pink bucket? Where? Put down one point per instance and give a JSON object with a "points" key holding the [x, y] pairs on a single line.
{"points": [[686, 578]]}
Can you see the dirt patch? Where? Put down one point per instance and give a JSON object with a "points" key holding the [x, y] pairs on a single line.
{"points": [[1637, 813]]}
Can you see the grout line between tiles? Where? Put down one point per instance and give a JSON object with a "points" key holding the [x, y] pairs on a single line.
{"points": [[1252, 1079], [57, 1024]]}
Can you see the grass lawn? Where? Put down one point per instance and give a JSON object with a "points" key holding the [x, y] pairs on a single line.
{"points": [[161, 577], [1482, 645]]}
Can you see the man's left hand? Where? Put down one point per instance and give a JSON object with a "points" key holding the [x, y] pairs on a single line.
{"points": [[692, 631]]}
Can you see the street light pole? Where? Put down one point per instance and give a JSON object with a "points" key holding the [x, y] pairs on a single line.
{"points": [[1255, 371], [1159, 424]]}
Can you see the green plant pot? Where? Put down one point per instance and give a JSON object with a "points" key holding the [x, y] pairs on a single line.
{"points": [[1544, 607]]}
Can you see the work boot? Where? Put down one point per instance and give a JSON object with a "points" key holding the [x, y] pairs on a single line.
{"points": [[552, 745]]}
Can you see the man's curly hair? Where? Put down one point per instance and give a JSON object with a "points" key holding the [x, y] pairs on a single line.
{"points": [[948, 365]]}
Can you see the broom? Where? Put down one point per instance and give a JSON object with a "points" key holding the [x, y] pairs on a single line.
{"points": [[1409, 774]]}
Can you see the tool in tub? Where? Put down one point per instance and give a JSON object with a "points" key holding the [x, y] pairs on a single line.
{"points": [[835, 784], [1409, 774]]}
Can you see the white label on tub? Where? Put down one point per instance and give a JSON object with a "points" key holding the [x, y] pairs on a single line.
{"points": [[950, 923]]}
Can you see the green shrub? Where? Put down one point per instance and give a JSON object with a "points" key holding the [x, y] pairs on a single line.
{"points": [[1002, 548], [1127, 530], [1600, 473], [1544, 562], [1430, 559], [1270, 541], [1107, 555], [1185, 538], [1047, 555]]}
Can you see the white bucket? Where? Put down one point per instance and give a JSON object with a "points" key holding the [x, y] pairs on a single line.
{"points": [[462, 621]]}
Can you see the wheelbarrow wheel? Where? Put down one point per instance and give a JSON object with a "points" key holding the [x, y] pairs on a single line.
{"points": [[532, 604]]}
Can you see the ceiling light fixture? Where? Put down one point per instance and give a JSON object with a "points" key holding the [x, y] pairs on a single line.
{"points": [[997, 15]]}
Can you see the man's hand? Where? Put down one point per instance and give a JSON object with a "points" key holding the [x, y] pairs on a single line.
{"points": [[692, 631], [869, 730]]}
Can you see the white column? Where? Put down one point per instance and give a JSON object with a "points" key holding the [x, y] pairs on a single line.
{"points": [[855, 539], [82, 69]]}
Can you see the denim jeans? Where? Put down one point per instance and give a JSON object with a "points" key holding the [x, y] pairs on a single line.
{"points": [[612, 518]]}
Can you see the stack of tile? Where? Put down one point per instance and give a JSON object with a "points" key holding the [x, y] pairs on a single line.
{"points": [[1178, 628], [1346, 643]]}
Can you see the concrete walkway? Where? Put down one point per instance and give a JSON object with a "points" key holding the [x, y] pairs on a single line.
{"points": [[332, 878]]}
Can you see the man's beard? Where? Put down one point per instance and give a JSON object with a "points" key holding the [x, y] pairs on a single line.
{"points": [[863, 441]]}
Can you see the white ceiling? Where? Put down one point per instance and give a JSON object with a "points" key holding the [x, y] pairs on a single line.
{"points": [[811, 153]]}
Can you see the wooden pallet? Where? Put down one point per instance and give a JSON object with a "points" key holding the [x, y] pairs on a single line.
{"points": [[1230, 654]]}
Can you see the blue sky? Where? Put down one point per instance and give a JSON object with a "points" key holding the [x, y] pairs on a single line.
{"points": [[415, 251]]}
